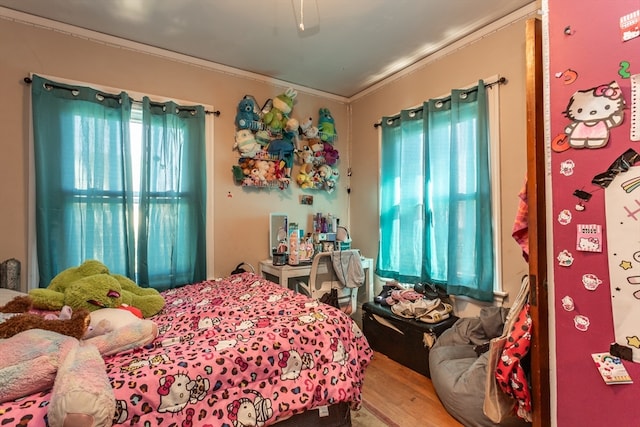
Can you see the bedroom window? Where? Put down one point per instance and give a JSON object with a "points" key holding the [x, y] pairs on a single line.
{"points": [[436, 221], [120, 181]]}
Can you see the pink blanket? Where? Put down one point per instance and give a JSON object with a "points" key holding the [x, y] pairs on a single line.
{"points": [[239, 351]]}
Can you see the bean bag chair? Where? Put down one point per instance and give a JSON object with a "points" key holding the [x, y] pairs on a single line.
{"points": [[459, 364]]}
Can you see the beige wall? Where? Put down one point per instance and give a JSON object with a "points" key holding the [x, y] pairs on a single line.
{"points": [[241, 215], [499, 53]]}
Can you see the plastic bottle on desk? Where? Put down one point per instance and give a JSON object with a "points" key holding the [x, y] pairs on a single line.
{"points": [[294, 244]]}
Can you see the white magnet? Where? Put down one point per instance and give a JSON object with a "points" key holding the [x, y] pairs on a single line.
{"points": [[564, 217], [567, 303], [591, 281], [565, 258], [581, 322]]}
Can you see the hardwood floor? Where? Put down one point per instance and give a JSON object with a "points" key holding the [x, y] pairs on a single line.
{"points": [[402, 397]]}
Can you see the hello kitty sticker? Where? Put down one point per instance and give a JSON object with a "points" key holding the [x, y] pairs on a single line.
{"points": [[564, 217], [591, 281], [593, 113], [589, 238], [567, 167], [565, 258], [581, 322]]}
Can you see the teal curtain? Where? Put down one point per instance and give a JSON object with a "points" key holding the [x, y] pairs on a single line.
{"points": [[88, 199], [402, 210], [82, 181], [435, 195], [172, 243]]}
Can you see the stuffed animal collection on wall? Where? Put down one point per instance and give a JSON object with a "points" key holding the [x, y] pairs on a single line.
{"points": [[270, 141]]}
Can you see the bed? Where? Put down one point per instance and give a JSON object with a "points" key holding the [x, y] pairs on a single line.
{"points": [[235, 351]]}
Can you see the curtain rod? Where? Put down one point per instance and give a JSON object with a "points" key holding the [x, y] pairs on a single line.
{"points": [[28, 80], [500, 81]]}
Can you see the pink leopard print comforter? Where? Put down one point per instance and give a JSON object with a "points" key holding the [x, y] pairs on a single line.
{"points": [[239, 351]]}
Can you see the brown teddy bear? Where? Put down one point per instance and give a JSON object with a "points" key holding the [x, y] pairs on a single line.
{"points": [[17, 319], [20, 304]]}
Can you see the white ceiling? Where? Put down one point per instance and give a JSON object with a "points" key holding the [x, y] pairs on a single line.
{"points": [[346, 45]]}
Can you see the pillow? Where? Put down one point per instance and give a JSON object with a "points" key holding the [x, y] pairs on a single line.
{"points": [[125, 331]]}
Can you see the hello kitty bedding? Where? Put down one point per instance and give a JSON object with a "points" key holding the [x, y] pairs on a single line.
{"points": [[238, 351]]}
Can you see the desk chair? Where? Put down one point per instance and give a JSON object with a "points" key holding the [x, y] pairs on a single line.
{"points": [[323, 278]]}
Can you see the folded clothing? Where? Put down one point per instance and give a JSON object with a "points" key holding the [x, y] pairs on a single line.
{"points": [[402, 295]]}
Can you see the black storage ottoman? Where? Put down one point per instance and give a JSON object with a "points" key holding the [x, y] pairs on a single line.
{"points": [[399, 338]]}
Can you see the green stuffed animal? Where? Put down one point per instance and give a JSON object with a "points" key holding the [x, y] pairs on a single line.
{"points": [[88, 268], [276, 118], [91, 286]]}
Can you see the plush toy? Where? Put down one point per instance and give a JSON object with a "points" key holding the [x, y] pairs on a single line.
{"points": [[97, 327], [262, 137], [88, 268], [284, 147], [246, 143], [291, 129], [271, 171], [316, 145], [16, 319], [115, 330], [259, 172], [78, 288], [280, 170], [19, 304], [331, 155], [82, 394], [284, 101], [246, 165], [35, 360], [328, 177], [304, 180], [247, 116], [276, 118], [305, 157], [308, 129], [275, 121], [65, 313], [326, 126]]}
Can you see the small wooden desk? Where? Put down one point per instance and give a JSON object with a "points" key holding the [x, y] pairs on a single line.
{"points": [[286, 272]]}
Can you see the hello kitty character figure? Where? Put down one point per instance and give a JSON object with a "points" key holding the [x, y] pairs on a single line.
{"points": [[246, 413], [339, 352], [174, 392], [292, 363], [591, 281], [590, 244], [593, 112]]}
